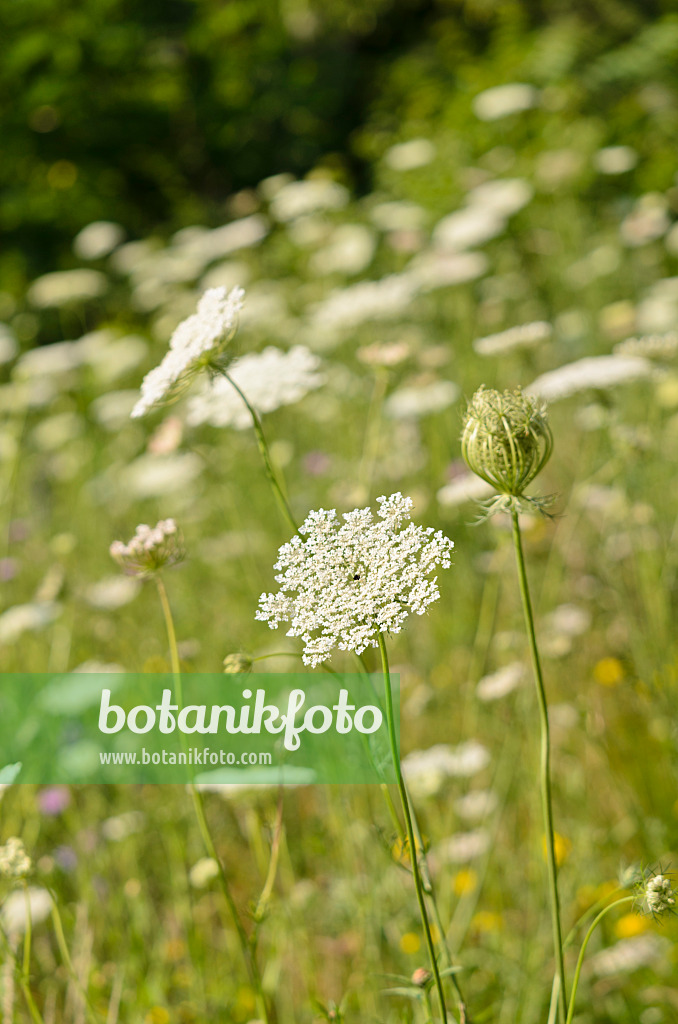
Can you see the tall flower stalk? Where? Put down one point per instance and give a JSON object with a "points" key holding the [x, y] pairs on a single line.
{"points": [[409, 827], [654, 895], [149, 551], [506, 441], [264, 451], [345, 586]]}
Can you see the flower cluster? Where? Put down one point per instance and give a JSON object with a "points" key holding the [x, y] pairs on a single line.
{"points": [[195, 344], [14, 861], [343, 584], [150, 549], [657, 895], [270, 379]]}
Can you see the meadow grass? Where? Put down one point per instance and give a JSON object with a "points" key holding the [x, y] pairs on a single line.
{"points": [[341, 935]]}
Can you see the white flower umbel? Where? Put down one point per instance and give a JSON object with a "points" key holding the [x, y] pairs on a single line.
{"points": [[341, 585], [521, 336], [270, 379], [195, 344], [150, 549], [597, 372]]}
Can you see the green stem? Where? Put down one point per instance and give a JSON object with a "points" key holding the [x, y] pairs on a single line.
{"points": [[545, 772], [414, 855], [266, 456], [247, 947], [582, 951]]}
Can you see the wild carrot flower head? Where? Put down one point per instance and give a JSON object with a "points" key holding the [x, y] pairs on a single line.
{"points": [[506, 440], [14, 861], [197, 343], [656, 894], [341, 584], [150, 549]]}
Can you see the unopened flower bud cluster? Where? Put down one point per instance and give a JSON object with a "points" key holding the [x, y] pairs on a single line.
{"points": [[150, 549], [506, 438], [343, 584]]}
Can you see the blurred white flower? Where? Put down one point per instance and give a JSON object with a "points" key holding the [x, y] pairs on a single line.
{"points": [[112, 592], [14, 910], [406, 156], [386, 298], [503, 100], [202, 872], [14, 861], [227, 275], [522, 336], [123, 825], [476, 805], [60, 357], [301, 197], [266, 308], [599, 372], [204, 246], [132, 255], [309, 231], [398, 215], [628, 955], [65, 286], [615, 159], [426, 770], [557, 166], [504, 196], [646, 222], [569, 619], [433, 270], [154, 476], [350, 251], [98, 239], [650, 346], [343, 584], [269, 379], [53, 432], [499, 684], [467, 487], [194, 343], [471, 226], [113, 409], [413, 402], [462, 847], [24, 618]]}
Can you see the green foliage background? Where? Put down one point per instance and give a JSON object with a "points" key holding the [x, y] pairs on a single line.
{"points": [[154, 114]]}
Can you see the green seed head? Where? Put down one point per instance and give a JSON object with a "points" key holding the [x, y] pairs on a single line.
{"points": [[506, 439]]}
